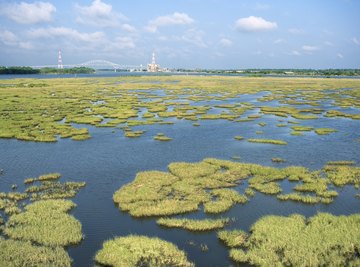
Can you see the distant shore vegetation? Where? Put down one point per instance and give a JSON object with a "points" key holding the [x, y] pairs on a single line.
{"points": [[29, 70]]}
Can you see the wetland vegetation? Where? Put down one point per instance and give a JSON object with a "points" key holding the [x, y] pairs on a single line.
{"points": [[194, 196], [37, 231]]}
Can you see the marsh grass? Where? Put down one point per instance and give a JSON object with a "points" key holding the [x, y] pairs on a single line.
{"points": [[45, 222], [193, 225], [302, 128], [162, 137], [233, 238], [278, 160], [238, 137], [268, 141], [341, 162], [321, 240], [324, 131], [132, 251], [25, 254]]}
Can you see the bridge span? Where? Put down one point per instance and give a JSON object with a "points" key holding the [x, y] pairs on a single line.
{"points": [[96, 64]]}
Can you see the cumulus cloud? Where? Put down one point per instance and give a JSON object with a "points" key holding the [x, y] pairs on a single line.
{"points": [[339, 55], [128, 28], [10, 39], [99, 14], [28, 13], [68, 33], [294, 53], [279, 41], [174, 19], [310, 48], [254, 24], [355, 41], [120, 42], [224, 42], [194, 37]]}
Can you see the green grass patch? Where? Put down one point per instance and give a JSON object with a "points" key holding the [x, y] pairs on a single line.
{"points": [[321, 240], [132, 251], [193, 225], [238, 137], [47, 223], [268, 141], [24, 253], [233, 238], [324, 131], [302, 128]]}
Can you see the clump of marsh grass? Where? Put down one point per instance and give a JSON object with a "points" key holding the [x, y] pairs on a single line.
{"points": [[24, 253], [302, 128], [226, 198], [50, 176], [193, 225], [135, 251], [341, 162], [133, 134], [267, 141], [321, 240], [162, 137], [278, 160], [238, 137], [233, 238], [307, 199], [45, 222], [324, 131]]}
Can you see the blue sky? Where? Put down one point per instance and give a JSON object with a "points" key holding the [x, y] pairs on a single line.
{"points": [[222, 34]]}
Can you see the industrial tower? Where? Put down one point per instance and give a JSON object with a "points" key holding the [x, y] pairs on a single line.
{"points": [[153, 67], [60, 63]]}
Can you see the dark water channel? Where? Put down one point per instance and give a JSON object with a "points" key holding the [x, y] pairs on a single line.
{"points": [[109, 160]]}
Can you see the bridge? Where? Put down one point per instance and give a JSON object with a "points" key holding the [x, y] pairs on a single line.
{"points": [[96, 64]]}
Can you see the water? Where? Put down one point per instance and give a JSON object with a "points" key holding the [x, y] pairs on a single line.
{"points": [[109, 160]]}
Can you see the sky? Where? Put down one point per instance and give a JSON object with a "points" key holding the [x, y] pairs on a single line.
{"points": [[211, 34]]}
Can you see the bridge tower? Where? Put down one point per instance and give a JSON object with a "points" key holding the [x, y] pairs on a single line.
{"points": [[60, 63]]}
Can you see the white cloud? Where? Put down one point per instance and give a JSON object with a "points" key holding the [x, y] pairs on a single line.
{"points": [[254, 24], [128, 28], [120, 42], [339, 55], [295, 31], [194, 37], [99, 14], [279, 41], [224, 42], [294, 53], [28, 13], [67, 33], [10, 39], [355, 41], [310, 48], [174, 19]]}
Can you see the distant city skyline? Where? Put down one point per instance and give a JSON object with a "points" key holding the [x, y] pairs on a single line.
{"points": [[211, 34]]}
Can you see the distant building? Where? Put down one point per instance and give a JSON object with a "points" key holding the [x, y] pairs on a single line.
{"points": [[153, 67]]}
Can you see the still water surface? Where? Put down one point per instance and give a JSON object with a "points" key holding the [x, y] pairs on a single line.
{"points": [[109, 160]]}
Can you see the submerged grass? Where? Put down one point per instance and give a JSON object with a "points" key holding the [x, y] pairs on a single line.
{"points": [[132, 251]]}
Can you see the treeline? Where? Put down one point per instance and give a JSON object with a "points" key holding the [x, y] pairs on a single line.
{"points": [[300, 72], [76, 70], [29, 70], [18, 70]]}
